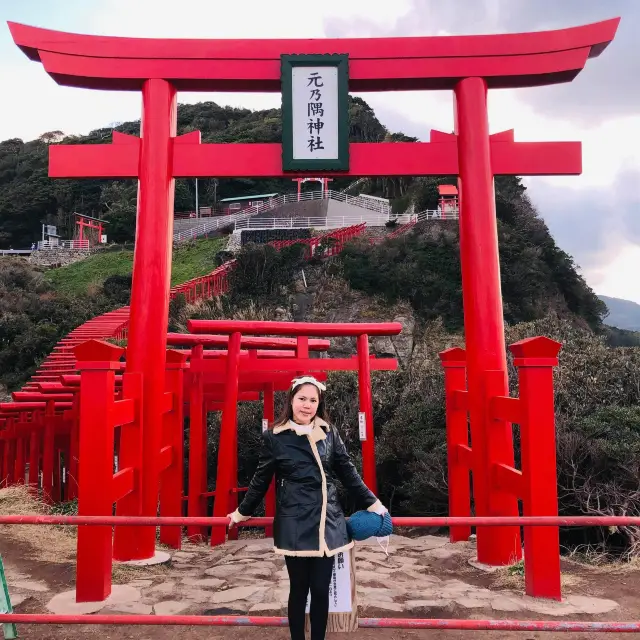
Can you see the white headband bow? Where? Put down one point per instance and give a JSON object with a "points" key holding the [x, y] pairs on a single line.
{"points": [[308, 380]]}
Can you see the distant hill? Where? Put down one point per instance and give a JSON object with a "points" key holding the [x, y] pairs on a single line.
{"points": [[623, 314]]}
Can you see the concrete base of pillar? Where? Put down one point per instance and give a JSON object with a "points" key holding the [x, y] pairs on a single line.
{"points": [[65, 603], [160, 557]]}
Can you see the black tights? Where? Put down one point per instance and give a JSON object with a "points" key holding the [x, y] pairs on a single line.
{"points": [[309, 574]]}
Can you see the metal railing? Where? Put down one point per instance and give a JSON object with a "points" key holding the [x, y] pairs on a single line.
{"points": [[330, 222], [583, 626], [211, 224], [355, 184], [436, 214], [319, 222], [15, 252], [371, 204], [44, 245]]}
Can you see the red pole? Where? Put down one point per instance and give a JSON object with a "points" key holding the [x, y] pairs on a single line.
{"points": [[64, 470], [3, 445], [20, 461], [172, 477], [268, 416], [535, 359], [412, 522], [365, 623], [95, 498], [48, 452], [129, 456], [197, 447], [73, 449], [151, 284], [455, 373], [228, 449], [56, 474], [366, 407], [483, 316], [6, 458]]}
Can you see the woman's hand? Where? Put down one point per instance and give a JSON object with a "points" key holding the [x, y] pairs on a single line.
{"points": [[235, 518], [378, 508]]}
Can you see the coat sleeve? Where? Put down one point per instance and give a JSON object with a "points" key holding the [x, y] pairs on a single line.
{"points": [[348, 475], [261, 478]]}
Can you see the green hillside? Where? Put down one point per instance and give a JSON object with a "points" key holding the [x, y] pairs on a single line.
{"points": [[189, 261]]}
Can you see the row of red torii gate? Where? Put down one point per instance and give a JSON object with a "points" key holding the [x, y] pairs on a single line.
{"points": [[144, 397]]}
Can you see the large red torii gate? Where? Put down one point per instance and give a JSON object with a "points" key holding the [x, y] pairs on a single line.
{"points": [[467, 65]]}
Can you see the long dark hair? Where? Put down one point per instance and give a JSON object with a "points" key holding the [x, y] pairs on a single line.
{"points": [[287, 410]]}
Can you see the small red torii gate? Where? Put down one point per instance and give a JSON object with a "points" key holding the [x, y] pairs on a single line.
{"points": [[324, 185], [466, 65], [87, 222], [275, 374]]}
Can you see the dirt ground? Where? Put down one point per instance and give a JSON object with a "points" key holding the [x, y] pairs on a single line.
{"points": [[624, 587]]}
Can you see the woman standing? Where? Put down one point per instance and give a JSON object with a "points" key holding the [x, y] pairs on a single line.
{"points": [[306, 454]]}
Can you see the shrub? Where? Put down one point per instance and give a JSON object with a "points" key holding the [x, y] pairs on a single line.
{"points": [[261, 270], [118, 288]]}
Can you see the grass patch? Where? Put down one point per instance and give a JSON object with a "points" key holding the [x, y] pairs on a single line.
{"points": [[57, 544], [50, 543], [80, 277], [192, 259], [196, 258]]}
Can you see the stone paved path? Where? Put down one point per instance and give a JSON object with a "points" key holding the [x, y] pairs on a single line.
{"points": [[246, 577]]}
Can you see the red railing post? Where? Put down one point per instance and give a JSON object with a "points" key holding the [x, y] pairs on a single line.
{"points": [[268, 416], [74, 448], [10, 453], [126, 540], [20, 460], [35, 440], [535, 359], [366, 408], [498, 457], [454, 362], [171, 480], [196, 505], [225, 501], [57, 473], [48, 451], [4, 460], [97, 362], [64, 479]]}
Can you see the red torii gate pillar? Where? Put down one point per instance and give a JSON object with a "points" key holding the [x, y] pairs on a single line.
{"points": [[483, 318]]}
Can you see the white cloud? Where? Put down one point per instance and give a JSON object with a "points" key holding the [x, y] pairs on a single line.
{"points": [[619, 278]]}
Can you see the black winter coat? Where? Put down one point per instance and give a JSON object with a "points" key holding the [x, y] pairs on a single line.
{"points": [[309, 520]]}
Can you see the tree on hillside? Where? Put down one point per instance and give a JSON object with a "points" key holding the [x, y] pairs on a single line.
{"points": [[118, 200]]}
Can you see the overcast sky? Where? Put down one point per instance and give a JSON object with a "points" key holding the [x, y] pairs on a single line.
{"points": [[595, 217]]}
